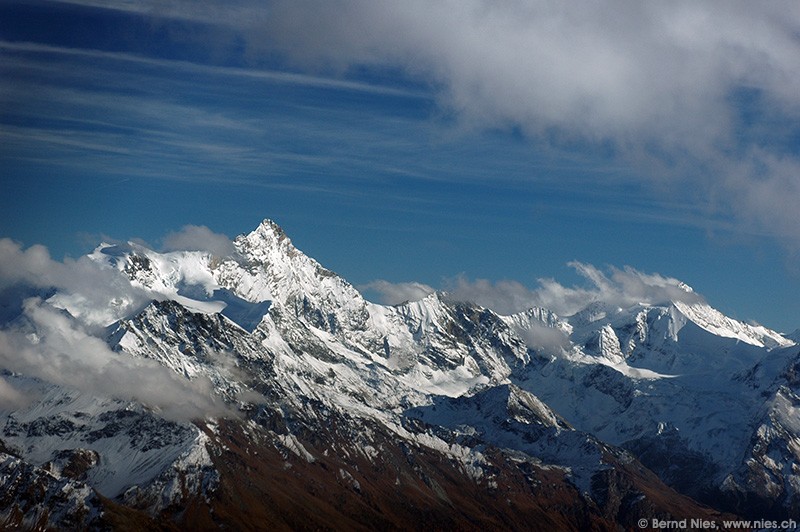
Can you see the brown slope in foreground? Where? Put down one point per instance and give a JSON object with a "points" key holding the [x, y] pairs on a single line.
{"points": [[411, 487]]}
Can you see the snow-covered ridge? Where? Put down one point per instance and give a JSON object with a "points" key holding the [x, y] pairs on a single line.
{"points": [[717, 323], [268, 269]]}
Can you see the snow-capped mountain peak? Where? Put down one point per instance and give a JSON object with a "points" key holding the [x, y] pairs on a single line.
{"points": [[267, 241], [272, 268]]}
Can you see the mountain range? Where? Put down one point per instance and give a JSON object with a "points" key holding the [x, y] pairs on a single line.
{"points": [[260, 390]]}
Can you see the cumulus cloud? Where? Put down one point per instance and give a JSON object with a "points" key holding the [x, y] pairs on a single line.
{"points": [[55, 348], [701, 98], [199, 238], [619, 288], [397, 293], [606, 68], [31, 266]]}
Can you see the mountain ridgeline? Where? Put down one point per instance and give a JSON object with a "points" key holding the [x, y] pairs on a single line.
{"points": [[262, 391]]}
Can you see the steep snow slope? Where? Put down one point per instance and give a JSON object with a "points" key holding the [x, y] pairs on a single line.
{"points": [[272, 268], [673, 382], [133, 446], [305, 304]]}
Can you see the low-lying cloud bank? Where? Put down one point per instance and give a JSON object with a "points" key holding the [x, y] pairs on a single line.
{"points": [[617, 288], [545, 339], [97, 294], [52, 346], [40, 339], [397, 293]]}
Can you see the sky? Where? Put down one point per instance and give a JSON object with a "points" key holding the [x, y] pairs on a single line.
{"points": [[479, 145]]}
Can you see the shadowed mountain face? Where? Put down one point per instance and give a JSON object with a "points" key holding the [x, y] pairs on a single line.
{"points": [[260, 390]]}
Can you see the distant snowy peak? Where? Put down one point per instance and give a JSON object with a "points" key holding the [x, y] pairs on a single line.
{"points": [[717, 323], [426, 313], [278, 266], [268, 271], [539, 316], [668, 319], [268, 243]]}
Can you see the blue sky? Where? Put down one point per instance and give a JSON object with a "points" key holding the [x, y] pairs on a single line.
{"points": [[419, 141]]}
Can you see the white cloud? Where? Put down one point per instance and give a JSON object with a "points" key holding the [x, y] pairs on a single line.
{"points": [[97, 293], [504, 297], [629, 286], [31, 266], [10, 397], [616, 288], [544, 338], [56, 349], [64, 348], [199, 238], [657, 84], [606, 67], [619, 288], [396, 293], [61, 348]]}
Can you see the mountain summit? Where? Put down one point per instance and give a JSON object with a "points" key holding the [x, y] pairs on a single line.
{"points": [[259, 389]]}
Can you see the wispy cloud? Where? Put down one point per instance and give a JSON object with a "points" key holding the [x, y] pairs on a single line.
{"points": [[615, 287], [12, 398], [504, 297], [543, 338], [172, 65], [233, 12], [155, 118]]}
